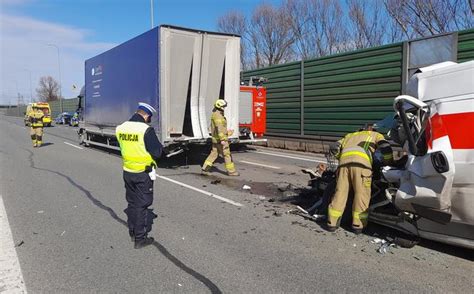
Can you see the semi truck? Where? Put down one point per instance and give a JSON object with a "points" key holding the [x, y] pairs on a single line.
{"points": [[178, 71]]}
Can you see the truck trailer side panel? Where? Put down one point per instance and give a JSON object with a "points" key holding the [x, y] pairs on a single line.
{"points": [[118, 79]]}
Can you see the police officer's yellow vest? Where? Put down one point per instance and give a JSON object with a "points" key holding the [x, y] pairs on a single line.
{"points": [[130, 136]]}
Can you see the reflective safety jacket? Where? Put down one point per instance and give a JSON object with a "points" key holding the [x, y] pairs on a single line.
{"points": [[359, 147], [135, 157], [218, 126], [36, 118]]}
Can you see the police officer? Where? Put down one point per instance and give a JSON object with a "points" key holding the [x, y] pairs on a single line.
{"points": [[140, 150], [220, 140], [35, 118], [355, 153]]}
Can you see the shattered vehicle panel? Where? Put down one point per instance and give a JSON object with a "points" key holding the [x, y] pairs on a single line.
{"points": [[437, 183]]}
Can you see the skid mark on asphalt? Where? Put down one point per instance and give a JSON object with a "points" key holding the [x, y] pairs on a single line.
{"points": [[208, 283]]}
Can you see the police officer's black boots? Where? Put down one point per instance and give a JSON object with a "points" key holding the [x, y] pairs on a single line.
{"points": [[143, 242]]}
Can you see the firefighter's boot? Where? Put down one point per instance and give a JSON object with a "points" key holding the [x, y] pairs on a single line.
{"points": [[233, 173], [206, 169]]}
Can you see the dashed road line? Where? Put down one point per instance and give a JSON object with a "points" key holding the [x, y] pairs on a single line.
{"points": [[201, 191], [73, 145], [11, 278], [260, 164], [288, 156]]}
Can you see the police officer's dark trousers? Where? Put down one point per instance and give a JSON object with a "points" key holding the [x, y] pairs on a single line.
{"points": [[139, 195]]}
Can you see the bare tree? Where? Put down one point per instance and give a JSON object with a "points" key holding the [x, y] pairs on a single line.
{"points": [[299, 14], [423, 18], [234, 22], [304, 29], [368, 24], [328, 23], [48, 89], [271, 35]]}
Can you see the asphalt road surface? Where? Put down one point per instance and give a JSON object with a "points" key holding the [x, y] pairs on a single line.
{"points": [[64, 204]]}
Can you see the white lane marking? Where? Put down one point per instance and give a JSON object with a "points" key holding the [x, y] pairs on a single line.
{"points": [[288, 156], [259, 164], [201, 191], [11, 278], [73, 145]]}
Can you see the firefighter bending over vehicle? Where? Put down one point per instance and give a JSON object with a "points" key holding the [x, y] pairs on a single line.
{"points": [[35, 117], [355, 153], [220, 140]]}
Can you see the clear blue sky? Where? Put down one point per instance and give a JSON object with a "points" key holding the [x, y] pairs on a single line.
{"points": [[82, 29], [114, 21]]}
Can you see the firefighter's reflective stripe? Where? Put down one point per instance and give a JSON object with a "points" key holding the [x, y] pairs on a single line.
{"points": [[208, 163], [360, 215], [37, 124], [230, 166], [334, 213], [367, 142], [130, 136], [360, 219], [356, 153]]}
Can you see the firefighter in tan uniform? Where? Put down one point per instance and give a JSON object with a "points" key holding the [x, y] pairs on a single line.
{"points": [[220, 140], [36, 122], [355, 152]]}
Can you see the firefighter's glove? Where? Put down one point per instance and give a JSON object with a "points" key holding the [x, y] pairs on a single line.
{"points": [[230, 133]]}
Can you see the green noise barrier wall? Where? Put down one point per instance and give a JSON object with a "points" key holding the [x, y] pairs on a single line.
{"points": [[327, 97]]}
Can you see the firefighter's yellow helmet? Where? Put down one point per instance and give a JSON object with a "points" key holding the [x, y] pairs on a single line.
{"points": [[220, 104]]}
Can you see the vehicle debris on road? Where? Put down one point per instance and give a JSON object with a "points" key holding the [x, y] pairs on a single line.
{"points": [[384, 245], [215, 182]]}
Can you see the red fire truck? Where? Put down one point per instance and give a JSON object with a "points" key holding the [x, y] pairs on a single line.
{"points": [[253, 107]]}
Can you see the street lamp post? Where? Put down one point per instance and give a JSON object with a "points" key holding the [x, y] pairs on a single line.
{"points": [[151, 5], [60, 83]]}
